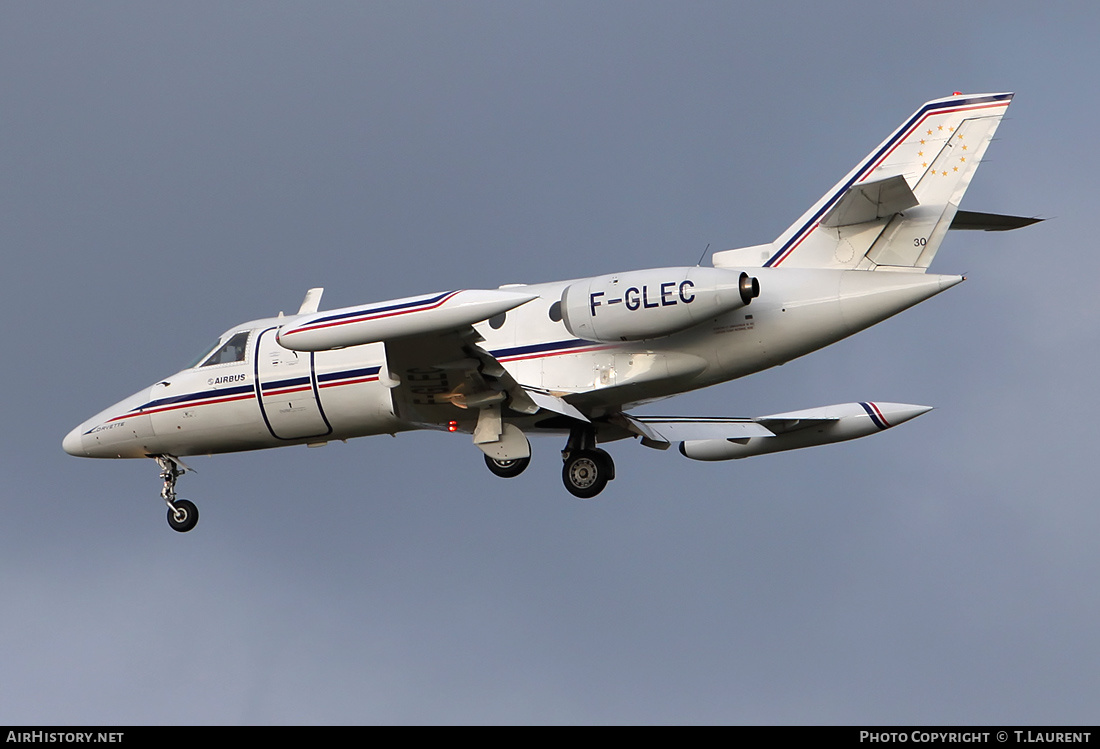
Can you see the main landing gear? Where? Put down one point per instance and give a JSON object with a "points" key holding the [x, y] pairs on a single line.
{"points": [[507, 469], [182, 513], [587, 468]]}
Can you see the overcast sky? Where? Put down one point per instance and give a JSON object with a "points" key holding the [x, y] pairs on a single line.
{"points": [[170, 170]]}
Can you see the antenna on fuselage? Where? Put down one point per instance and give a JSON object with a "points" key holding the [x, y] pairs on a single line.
{"points": [[703, 255], [311, 302]]}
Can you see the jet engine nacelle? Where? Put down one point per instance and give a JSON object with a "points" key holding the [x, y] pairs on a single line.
{"points": [[652, 303]]}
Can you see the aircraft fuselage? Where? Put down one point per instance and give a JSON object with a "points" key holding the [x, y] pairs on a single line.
{"points": [[274, 396]]}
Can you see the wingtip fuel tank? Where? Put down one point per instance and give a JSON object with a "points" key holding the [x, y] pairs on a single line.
{"points": [[807, 428]]}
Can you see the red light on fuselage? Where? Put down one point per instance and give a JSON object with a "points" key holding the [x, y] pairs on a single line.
{"points": [[452, 426]]}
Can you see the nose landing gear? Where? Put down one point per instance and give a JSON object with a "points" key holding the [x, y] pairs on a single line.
{"points": [[182, 513]]}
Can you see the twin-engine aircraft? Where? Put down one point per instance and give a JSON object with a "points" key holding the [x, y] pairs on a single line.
{"points": [[573, 358]]}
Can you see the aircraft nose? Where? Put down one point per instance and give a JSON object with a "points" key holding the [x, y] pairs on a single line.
{"points": [[73, 443]]}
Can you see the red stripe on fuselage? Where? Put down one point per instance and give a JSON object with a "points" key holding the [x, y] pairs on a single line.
{"points": [[177, 406], [285, 391]]}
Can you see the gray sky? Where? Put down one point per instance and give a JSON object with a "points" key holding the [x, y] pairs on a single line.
{"points": [[169, 170]]}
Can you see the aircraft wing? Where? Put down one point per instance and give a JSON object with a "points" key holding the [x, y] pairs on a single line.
{"points": [[428, 315], [435, 367], [446, 378], [659, 431], [710, 438], [434, 373]]}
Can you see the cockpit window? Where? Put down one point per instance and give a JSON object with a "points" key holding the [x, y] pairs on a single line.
{"points": [[201, 357], [231, 351]]}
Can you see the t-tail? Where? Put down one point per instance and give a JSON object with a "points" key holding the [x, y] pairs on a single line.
{"points": [[894, 208]]}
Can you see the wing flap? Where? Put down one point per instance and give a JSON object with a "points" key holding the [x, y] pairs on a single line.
{"points": [[450, 377], [680, 429], [782, 425], [553, 403]]}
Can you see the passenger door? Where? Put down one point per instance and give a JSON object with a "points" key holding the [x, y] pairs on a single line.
{"points": [[288, 390]]}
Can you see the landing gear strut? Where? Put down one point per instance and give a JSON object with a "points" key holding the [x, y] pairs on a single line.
{"points": [[587, 468], [182, 513]]}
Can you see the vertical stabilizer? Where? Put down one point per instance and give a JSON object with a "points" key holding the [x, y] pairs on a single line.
{"points": [[871, 218]]}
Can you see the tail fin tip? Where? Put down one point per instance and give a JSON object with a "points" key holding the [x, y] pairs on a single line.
{"points": [[936, 151]]}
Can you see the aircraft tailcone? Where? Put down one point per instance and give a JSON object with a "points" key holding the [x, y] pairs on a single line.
{"points": [[869, 297]]}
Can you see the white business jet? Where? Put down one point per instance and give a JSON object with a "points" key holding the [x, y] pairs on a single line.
{"points": [[573, 357]]}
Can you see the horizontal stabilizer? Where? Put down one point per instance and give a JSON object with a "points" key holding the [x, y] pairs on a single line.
{"points": [[870, 201], [972, 221]]}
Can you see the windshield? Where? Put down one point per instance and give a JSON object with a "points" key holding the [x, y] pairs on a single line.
{"points": [[233, 350]]}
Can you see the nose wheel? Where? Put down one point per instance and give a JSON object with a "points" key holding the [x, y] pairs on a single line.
{"points": [[183, 515]]}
